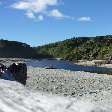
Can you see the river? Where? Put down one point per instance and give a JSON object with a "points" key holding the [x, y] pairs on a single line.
{"points": [[67, 65]]}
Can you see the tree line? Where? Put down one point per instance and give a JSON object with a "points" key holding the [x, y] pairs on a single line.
{"points": [[13, 49], [79, 48], [76, 48]]}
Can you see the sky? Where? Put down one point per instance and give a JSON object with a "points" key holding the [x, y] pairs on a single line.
{"points": [[39, 22]]}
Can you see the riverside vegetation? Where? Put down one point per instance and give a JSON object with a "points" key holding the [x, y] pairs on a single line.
{"points": [[13, 49], [77, 48]]}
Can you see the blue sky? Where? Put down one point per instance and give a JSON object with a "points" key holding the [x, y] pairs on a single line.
{"points": [[38, 22]]}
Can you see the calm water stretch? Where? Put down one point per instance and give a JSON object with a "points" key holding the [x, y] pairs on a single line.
{"points": [[68, 65]]}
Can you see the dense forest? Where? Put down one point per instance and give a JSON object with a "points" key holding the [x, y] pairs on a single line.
{"points": [[79, 48], [13, 49]]}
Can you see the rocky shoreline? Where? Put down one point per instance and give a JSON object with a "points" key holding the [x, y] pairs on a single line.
{"points": [[97, 63], [80, 85], [58, 90]]}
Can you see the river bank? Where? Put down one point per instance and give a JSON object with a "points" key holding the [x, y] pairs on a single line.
{"points": [[57, 90], [97, 63], [80, 85]]}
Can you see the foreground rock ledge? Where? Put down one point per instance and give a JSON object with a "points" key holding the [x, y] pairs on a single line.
{"points": [[14, 97]]}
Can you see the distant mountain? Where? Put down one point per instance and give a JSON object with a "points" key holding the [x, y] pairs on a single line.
{"points": [[78, 48], [13, 49]]}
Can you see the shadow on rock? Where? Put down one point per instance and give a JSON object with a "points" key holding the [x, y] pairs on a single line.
{"points": [[15, 72]]}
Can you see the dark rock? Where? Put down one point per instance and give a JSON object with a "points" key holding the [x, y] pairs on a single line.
{"points": [[19, 72]]}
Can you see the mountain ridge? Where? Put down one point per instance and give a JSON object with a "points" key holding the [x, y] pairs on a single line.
{"points": [[14, 49], [77, 48]]}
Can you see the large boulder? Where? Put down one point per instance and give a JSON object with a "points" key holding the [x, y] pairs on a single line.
{"points": [[19, 72]]}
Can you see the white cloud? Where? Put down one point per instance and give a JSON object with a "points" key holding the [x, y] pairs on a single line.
{"points": [[38, 7], [85, 19], [33, 16], [34, 5], [30, 15], [56, 13], [40, 17]]}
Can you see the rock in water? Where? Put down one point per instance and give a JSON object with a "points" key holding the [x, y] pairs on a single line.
{"points": [[19, 72]]}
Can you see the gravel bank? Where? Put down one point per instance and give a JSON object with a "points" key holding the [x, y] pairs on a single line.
{"points": [[92, 63], [80, 85]]}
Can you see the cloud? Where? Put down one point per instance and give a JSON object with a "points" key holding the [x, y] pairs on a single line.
{"points": [[30, 15], [35, 9], [33, 16], [34, 6], [85, 19], [57, 14], [40, 17]]}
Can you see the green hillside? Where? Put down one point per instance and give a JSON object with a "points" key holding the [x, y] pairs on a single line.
{"points": [[77, 48], [13, 49]]}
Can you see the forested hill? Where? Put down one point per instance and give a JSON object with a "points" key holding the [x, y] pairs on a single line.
{"points": [[13, 49], [76, 48], [79, 48]]}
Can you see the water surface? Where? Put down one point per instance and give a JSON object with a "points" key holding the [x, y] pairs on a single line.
{"points": [[68, 65]]}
